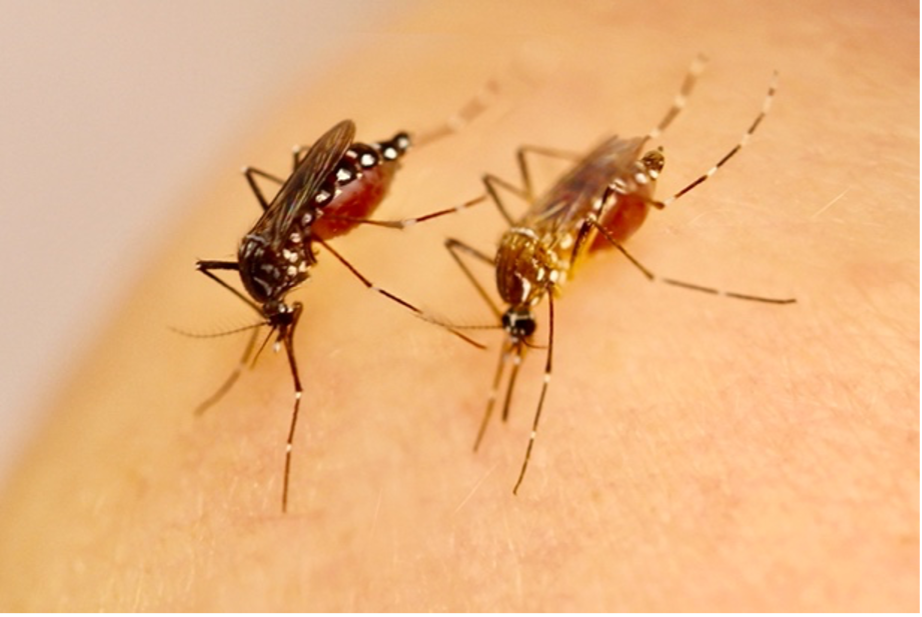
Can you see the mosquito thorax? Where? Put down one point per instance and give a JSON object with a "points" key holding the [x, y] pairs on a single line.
{"points": [[527, 266], [269, 269]]}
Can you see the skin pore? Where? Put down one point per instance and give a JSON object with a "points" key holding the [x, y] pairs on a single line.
{"points": [[695, 453]]}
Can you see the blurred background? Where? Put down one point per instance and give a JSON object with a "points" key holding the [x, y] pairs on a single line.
{"points": [[110, 112]]}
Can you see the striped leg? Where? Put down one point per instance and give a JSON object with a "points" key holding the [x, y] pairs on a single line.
{"points": [[475, 106], [678, 104], [287, 336], [546, 381], [404, 223], [692, 286], [766, 106], [391, 296]]}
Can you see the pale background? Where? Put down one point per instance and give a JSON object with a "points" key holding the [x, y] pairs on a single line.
{"points": [[98, 144]]}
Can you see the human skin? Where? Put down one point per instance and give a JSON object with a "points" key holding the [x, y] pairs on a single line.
{"points": [[695, 453]]}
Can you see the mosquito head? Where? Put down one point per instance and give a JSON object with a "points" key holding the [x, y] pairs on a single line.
{"points": [[651, 164], [519, 323], [281, 316]]}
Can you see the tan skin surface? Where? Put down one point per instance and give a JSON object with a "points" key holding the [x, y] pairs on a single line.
{"points": [[696, 453]]}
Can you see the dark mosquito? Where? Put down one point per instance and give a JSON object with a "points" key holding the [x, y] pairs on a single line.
{"points": [[335, 185], [599, 203]]}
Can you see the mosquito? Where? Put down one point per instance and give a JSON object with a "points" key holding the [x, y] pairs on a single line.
{"points": [[599, 203], [335, 185]]}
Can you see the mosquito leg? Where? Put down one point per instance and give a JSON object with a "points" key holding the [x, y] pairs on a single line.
{"points": [[455, 247], [692, 286], [766, 106], [475, 106], [404, 223], [586, 227], [232, 379], [524, 192], [491, 400], [250, 173], [513, 376], [678, 104], [544, 384], [206, 267], [205, 264], [524, 172], [554, 153], [388, 294], [296, 155], [452, 245], [491, 182], [288, 339]]}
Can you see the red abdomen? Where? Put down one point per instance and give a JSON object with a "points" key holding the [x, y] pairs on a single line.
{"points": [[622, 220], [356, 200]]}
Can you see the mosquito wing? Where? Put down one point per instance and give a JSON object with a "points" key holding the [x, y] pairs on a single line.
{"points": [[308, 177], [567, 203]]}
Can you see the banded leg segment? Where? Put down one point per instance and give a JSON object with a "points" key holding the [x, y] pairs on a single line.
{"points": [[287, 337], [474, 107], [391, 296], [491, 399], [546, 381], [233, 377], [678, 104], [685, 285], [766, 107], [404, 223], [206, 267]]}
